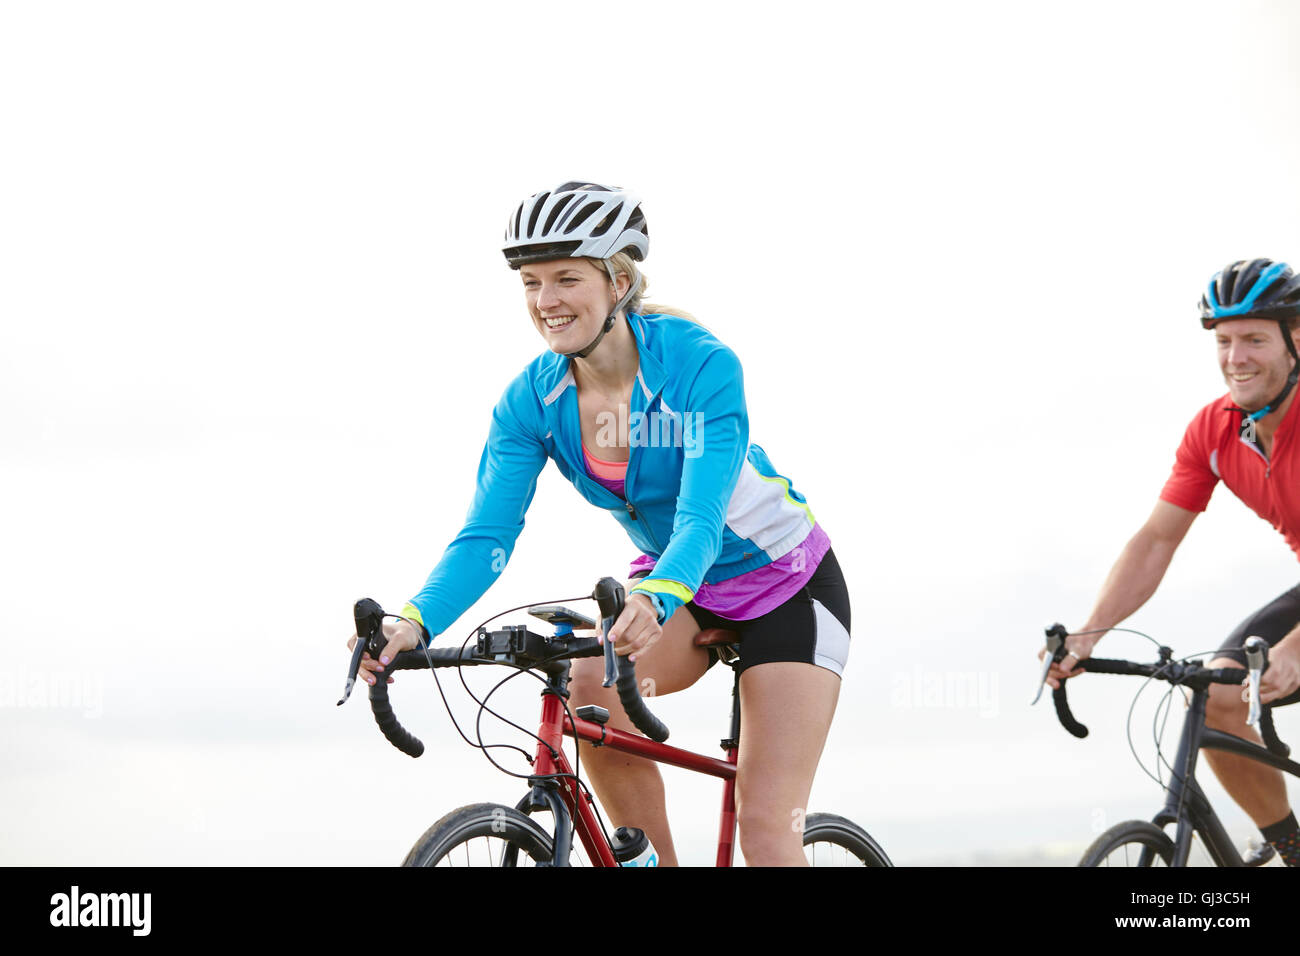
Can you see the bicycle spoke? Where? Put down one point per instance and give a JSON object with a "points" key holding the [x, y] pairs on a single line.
{"points": [[829, 854]]}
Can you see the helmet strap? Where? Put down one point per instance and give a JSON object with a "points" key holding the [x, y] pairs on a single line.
{"points": [[608, 324]]}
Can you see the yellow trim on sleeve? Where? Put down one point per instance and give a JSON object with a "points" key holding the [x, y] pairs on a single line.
{"points": [[662, 586], [413, 613]]}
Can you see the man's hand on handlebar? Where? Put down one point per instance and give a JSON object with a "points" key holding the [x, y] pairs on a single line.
{"points": [[401, 636], [1078, 647], [1283, 674]]}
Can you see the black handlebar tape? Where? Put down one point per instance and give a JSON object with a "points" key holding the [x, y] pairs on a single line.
{"points": [[397, 735], [437, 656], [1271, 739], [1106, 665], [1063, 712], [369, 618], [630, 696], [609, 597], [1097, 665]]}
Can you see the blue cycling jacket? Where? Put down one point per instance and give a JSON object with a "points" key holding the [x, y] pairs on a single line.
{"points": [[701, 499]]}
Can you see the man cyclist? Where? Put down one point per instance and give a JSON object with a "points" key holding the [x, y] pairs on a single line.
{"points": [[1247, 439]]}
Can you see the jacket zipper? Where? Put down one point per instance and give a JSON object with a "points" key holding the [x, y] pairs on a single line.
{"points": [[644, 524], [631, 510]]}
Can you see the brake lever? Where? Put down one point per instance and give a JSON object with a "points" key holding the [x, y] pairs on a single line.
{"points": [[611, 661], [369, 618], [1056, 635], [1257, 663], [610, 597]]}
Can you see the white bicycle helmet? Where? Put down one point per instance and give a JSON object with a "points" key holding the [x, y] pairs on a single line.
{"points": [[576, 220]]}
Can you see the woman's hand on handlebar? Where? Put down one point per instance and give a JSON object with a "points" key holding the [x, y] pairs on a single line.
{"points": [[637, 628], [401, 636], [1077, 648]]}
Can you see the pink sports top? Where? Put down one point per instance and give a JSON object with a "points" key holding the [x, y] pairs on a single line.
{"points": [[611, 474]]}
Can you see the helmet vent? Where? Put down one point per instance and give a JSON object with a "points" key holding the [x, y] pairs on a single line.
{"points": [[1227, 280], [538, 203], [583, 216], [555, 214], [603, 226]]}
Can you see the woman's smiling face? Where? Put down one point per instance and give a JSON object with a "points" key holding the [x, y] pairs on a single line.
{"points": [[569, 300]]}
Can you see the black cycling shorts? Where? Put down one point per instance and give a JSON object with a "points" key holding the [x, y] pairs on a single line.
{"points": [[812, 627], [1272, 622]]}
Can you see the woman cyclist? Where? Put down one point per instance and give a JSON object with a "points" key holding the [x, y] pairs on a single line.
{"points": [[643, 410]]}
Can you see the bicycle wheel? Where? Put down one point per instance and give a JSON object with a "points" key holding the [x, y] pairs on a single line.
{"points": [[830, 840], [482, 834], [1133, 843]]}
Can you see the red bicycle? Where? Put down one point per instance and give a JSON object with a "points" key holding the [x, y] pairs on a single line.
{"points": [[487, 834]]}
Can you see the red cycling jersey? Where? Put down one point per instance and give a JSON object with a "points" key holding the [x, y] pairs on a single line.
{"points": [[1213, 448]]}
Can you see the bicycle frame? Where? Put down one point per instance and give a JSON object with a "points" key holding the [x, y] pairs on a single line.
{"points": [[573, 805], [1187, 805]]}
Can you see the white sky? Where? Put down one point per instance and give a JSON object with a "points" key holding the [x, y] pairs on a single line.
{"points": [[253, 319]]}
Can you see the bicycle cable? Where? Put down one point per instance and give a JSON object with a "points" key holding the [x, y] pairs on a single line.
{"points": [[577, 750], [483, 747], [1158, 734], [423, 645], [1128, 726], [483, 703], [1121, 630], [577, 758], [1182, 794], [1159, 723]]}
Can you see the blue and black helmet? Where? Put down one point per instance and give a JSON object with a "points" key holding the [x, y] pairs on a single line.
{"points": [[1251, 289]]}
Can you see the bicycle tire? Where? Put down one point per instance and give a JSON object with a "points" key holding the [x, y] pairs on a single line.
{"points": [[482, 834], [831, 840], [1141, 843]]}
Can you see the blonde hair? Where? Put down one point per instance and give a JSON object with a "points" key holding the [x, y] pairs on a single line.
{"points": [[622, 262]]}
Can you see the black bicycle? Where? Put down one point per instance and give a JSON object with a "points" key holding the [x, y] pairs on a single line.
{"points": [[1142, 843]]}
